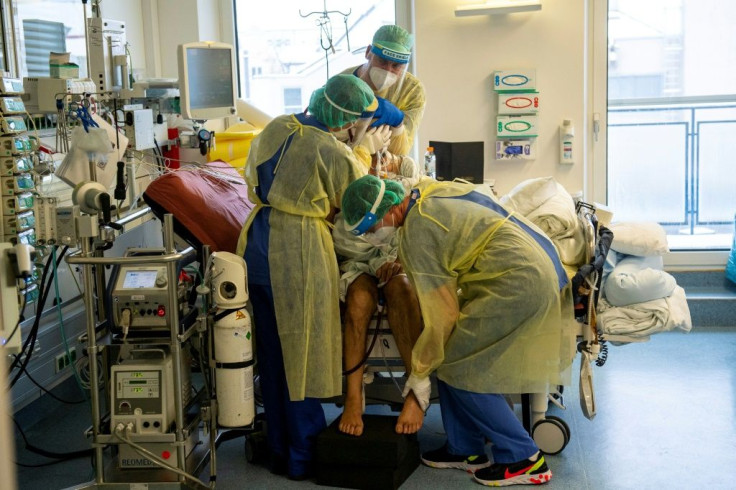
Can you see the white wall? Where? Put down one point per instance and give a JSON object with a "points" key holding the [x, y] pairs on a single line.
{"points": [[129, 11], [184, 21], [456, 57]]}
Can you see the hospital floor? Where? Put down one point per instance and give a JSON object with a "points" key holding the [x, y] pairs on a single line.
{"points": [[666, 418]]}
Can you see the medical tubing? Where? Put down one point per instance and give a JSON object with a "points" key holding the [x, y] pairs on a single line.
{"points": [[390, 371], [370, 348], [61, 323], [152, 457]]}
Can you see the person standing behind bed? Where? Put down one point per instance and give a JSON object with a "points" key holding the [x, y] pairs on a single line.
{"points": [[400, 94], [296, 173], [366, 265], [508, 330]]}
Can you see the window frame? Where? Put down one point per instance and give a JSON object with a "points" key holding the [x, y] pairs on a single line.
{"points": [[680, 260]]}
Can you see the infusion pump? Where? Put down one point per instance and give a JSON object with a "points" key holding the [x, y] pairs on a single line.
{"points": [[140, 297]]}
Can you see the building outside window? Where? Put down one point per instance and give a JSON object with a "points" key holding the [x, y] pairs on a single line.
{"points": [[287, 46], [49, 25], [672, 116], [293, 100]]}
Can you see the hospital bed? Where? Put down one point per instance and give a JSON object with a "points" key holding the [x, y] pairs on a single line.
{"points": [[209, 204]]}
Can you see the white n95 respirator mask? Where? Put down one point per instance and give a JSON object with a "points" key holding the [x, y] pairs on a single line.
{"points": [[382, 79], [345, 135]]}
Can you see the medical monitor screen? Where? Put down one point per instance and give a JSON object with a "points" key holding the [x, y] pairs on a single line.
{"points": [[138, 279], [210, 76]]}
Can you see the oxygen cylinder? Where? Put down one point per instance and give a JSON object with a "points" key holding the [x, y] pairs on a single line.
{"points": [[233, 346], [234, 368]]}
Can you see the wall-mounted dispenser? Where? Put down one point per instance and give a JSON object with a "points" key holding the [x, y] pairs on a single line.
{"points": [[567, 136]]}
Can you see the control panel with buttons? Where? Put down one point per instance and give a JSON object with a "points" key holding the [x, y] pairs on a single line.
{"points": [[140, 299]]}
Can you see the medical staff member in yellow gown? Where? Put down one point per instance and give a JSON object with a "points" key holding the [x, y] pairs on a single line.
{"points": [[400, 94], [297, 171], [497, 316]]}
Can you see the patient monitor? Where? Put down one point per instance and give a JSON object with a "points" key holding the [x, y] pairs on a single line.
{"points": [[207, 84]]}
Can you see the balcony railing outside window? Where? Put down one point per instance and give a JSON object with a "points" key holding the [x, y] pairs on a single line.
{"points": [[673, 163]]}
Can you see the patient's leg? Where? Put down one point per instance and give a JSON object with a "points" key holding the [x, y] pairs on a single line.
{"points": [[405, 320], [404, 316], [361, 300]]}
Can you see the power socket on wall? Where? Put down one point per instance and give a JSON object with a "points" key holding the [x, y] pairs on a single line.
{"points": [[64, 360]]}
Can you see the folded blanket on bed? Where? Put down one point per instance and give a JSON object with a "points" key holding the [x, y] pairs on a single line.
{"points": [[547, 204], [645, 319]]}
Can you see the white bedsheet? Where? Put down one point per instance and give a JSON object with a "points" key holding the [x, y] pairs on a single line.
{"points": [[640, 320]]}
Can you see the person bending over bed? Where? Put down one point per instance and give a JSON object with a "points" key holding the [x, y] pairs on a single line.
{"points": [[296, 173], [507, 331]]}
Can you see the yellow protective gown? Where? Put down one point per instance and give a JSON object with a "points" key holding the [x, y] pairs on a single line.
{"points": [[408, 95], [509, 329], [309, 180]]}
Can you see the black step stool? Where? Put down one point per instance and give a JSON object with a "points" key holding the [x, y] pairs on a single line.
{"points": [[378, 459]]}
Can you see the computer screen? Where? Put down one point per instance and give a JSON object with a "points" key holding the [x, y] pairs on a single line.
{"points": [[137, 279], [459, 160], [206, 80]]}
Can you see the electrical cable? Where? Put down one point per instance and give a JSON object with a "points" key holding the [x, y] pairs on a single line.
{"points": [[159, 157], [31, 340], [51, 454], [20, 320], [45, 390], [50, 463], [28, 339]]}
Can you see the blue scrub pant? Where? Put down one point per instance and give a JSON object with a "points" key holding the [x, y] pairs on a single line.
{"points": [[471, 418], [292, 426]]}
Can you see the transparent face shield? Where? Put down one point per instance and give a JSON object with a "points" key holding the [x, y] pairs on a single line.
{"points": [[364, 122]]}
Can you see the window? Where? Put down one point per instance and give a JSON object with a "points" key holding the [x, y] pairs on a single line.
{"points": [[293, 100], [288, 48], [49, 25], [4, 25], [671, 108]]}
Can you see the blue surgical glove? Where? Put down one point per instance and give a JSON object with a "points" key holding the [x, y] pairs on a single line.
{"points": [[387, 113]]}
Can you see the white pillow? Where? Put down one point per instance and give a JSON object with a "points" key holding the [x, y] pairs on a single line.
{"points": [[637, 280], [640, 238], [529, 195]]}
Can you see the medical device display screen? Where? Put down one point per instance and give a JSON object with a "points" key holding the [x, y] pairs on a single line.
{"points": [[139, 384], [209, 71], [139, 279]]}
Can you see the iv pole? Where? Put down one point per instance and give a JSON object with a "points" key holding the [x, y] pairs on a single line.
{"points": [[325, 30]]}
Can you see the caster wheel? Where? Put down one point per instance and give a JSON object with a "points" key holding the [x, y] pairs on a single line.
{"points": [[551, 435], [564, 425], [256, 449]]}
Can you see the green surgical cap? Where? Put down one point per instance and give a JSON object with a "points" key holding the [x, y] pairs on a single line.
{"points": [[362, 193], [396, 41], [342, 100]]}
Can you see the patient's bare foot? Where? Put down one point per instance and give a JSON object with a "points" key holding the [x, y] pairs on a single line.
{"points": [[351, 420], [411, 416]]}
